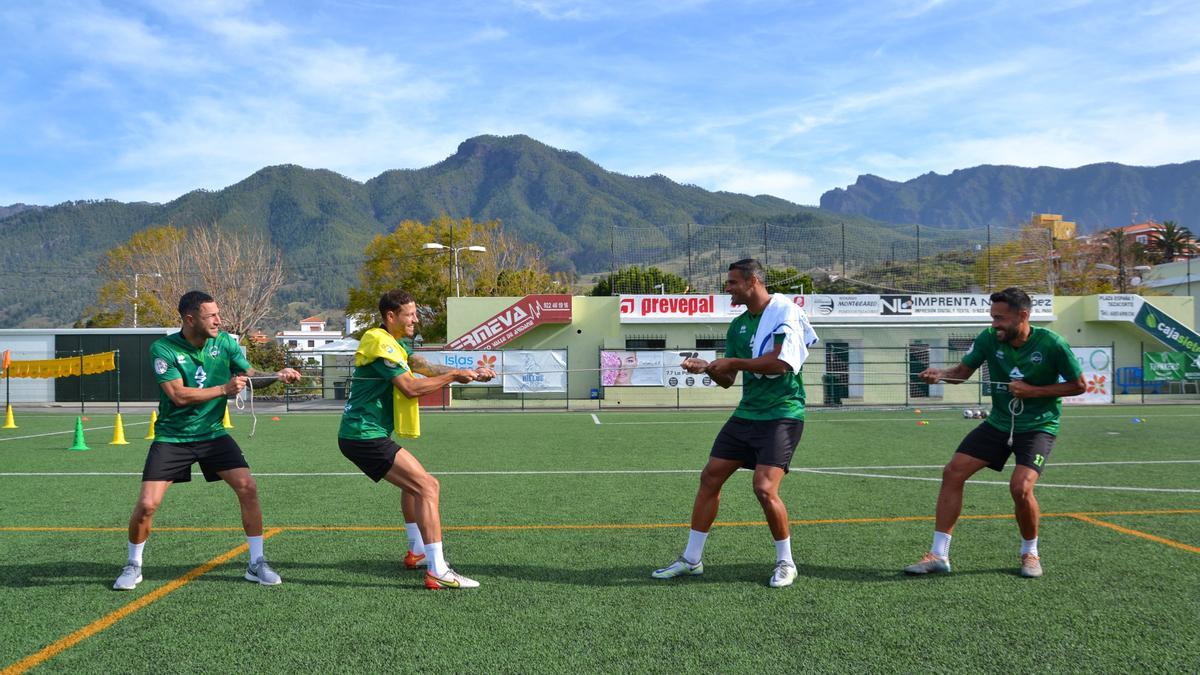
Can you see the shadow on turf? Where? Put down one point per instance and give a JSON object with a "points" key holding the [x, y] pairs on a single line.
{"points": [[393, 571], [79, 574]]}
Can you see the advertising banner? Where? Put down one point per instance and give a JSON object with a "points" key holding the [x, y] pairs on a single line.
{"points": [[1176, 366], [466, 361], [535, 371], [826, 308], [676, 377], [517, 319], [1167, 330], [1097, 366], [631, 369]]}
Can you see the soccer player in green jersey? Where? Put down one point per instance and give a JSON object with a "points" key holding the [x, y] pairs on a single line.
{"points": [[761, 435], [198, 368], [1031, 369], [368, 421]]}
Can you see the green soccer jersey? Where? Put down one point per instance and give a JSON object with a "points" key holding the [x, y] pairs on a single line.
{"points": [[370, 407], [763, 397], [173, 358], [1044, 359]]}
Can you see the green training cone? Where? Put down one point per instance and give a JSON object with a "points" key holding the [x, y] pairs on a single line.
{"points": [[80, 444]]}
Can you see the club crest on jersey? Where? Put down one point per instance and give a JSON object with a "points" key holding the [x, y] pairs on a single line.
{"points": [[1036, 357], [160, 366], [213, 352]]}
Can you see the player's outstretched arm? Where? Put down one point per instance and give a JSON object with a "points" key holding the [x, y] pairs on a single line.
{"points": [[261, 379], [415, 387], [421, 365], [182, 395], [956, 375]]}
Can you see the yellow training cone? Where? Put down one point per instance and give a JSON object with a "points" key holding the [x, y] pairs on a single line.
{"points": [[9, 422], [153, 420], [119, 433], [225, 422]]}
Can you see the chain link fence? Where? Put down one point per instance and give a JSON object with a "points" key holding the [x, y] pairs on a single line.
{"points": [[845, 258]]}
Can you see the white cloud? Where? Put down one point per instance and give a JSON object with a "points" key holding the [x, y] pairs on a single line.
{"points": [[731, 175], [581, 10]]}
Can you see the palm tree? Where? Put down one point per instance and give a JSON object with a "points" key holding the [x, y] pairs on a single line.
{"points": [[1171, 241]]}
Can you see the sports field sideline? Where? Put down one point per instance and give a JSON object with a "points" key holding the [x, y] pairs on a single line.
{"points": [[562, 517]]}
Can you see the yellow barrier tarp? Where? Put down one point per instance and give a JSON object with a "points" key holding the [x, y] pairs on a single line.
{"points": [[65, 367]]}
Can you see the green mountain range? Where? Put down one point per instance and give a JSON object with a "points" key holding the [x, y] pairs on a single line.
{"points": [[322, 221], [1096, 196], [584, 219]]}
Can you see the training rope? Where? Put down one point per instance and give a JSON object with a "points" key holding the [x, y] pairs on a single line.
{"points": [[244, 395], [1016, 406]]}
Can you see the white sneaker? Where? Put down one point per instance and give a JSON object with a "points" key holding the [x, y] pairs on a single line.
{"points": [[785, 574], [679, 568], [131, 576], [261, 572], [450, 579]]}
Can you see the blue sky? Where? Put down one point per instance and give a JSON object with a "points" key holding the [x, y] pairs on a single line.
{"points": [[144, 101]]}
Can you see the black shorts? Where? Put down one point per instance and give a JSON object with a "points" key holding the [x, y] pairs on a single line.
{"points": [[173, 461], [754, 442], [374, 456], [988, 443]]}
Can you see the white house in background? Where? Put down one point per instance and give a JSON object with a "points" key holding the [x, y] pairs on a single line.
{"points": [[312, 336]]}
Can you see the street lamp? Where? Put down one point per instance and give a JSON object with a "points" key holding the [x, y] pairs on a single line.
{"points": [[1121, 273], [433, 246], [135, 291], [800, 287], [662, 288]]}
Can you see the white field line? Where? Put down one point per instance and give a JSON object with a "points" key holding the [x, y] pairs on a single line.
{"points": [[1068, 419], [600, 472], [1004, 483], [595, 419], [67, 433]]}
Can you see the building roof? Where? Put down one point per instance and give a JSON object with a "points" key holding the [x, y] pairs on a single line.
{"points": [[313, 319]]}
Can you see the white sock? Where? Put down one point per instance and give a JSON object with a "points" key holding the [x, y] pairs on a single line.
{"points": [[695, 546], [1029, 546], [941, 545], [435, 560], [415, 543], [135, 553], [783, 550], [256, 547]]}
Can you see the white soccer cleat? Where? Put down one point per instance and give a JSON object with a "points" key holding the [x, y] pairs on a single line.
{"points": [[930, 564], [785, 574], [131, 576], [450, 579], [679, 568], [259, 571]]}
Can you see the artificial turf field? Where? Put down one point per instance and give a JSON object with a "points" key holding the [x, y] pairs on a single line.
{"points": [[562, 520]]}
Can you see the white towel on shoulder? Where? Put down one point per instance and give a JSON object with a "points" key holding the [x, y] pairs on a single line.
{"points": [[784, 317]]}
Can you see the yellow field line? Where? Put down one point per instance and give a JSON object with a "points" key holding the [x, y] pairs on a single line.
{"points": [[1137, 533], [608, 526], [95, 627]]}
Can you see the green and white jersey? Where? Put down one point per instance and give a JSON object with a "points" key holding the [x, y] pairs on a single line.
{"points": [[173, 358], [1044, 359], [370, 406], [763, 398]]}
